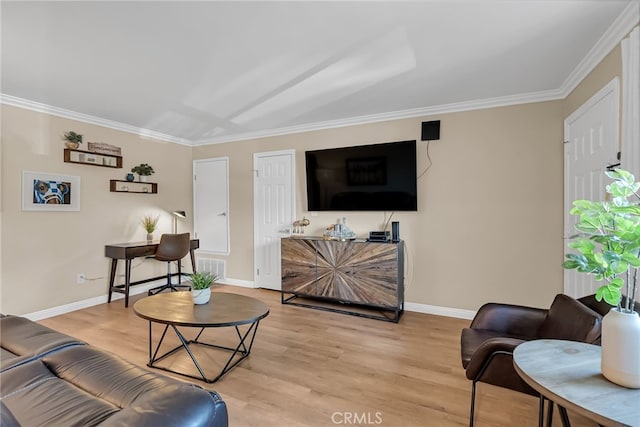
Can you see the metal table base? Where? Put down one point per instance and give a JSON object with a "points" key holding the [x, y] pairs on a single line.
{"points": [[239, 353]]}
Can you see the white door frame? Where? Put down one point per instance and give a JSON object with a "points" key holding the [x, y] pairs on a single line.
{"points": [[256, 157]]}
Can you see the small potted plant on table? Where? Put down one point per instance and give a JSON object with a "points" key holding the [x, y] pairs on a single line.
{"points": [[201, 287], [149, 222]]}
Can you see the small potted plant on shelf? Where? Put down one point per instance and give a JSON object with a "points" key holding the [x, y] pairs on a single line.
{"points": [[143, 170], [608, 247], [201, 286], [149, 222], [73, 140]]}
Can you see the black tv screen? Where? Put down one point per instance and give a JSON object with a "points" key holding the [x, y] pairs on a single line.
{"points": [[377, 177]]}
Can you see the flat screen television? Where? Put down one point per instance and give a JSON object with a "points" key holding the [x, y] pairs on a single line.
{"points": [[377, 177]]}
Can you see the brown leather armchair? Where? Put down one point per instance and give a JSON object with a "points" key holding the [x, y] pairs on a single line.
{"points": [[497, 329]]}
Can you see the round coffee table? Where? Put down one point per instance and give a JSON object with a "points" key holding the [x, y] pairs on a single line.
{"points": [[176, 309]]}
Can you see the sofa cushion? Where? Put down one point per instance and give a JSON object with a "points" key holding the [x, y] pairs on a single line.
{"points": [[81, 385], [569, 319], [37, 397], [22, 337]]}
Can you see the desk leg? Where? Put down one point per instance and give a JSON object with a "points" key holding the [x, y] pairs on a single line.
{"points": [[112, 277], [127, 281], [193, 260]]}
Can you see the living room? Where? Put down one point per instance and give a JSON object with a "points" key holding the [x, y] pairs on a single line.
{"points": [[494, 176]]}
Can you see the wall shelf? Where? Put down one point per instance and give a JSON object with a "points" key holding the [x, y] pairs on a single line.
{"points": [[92, 158], [119, 186]]}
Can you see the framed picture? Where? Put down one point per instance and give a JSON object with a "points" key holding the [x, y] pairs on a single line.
{"points": [[50, 192]]}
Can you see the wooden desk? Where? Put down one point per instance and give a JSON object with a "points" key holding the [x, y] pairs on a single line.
{"points": [[568, 373], [129, 251]]}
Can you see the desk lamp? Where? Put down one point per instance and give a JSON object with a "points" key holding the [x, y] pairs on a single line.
{"points": [[176, 215]]}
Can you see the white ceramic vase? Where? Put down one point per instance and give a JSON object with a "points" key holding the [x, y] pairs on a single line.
{"points": [[201, 296], [621, 348]]}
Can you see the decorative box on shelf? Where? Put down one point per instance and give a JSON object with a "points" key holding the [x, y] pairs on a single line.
{"points": [[91, 158], [104, 148], [118, 186]]}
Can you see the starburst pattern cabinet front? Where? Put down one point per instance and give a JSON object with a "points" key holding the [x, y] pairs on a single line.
{"points": [[360, 272]]}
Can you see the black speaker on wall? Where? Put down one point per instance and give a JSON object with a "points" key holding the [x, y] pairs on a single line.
{"points": [[395, 231], [431, 130]]}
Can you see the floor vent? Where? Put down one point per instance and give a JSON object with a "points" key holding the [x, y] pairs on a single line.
{"points": [[213, 266]]}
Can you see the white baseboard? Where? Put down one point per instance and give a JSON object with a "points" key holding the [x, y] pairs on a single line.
{"points": [[238, 282], [79, 305], [439, 311], [139, 289]]}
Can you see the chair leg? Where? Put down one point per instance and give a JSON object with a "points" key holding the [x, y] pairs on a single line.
{"points": [[473, 403], [550, 414], [167, 285], [564, 417]]}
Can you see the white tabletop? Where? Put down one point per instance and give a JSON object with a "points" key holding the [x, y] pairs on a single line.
{"points": [[568, 373]]}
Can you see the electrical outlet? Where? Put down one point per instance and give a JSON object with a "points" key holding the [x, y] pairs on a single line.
{"points": [[80, 279]]}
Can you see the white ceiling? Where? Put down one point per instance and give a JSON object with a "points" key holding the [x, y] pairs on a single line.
{"points": [[204, 72]]}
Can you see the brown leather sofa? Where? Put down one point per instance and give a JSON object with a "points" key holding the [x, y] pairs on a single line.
{"points": [[487, 345], [51, 379]]}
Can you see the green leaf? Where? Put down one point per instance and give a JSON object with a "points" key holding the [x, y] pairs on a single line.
{"points": [[612, 297], [631, 258], [569, 265], [620, 175], [583, 245], [617, 283]]}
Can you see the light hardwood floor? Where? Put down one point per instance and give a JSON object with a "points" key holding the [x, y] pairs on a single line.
{"points": [[316, 368]]}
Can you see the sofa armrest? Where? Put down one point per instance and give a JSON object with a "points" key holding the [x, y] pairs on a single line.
{"points": [[507, 319], [173, 406]]}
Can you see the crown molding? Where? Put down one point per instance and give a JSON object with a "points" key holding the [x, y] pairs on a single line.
{"points": [[624, 23], [480, 104], [86, 118]]}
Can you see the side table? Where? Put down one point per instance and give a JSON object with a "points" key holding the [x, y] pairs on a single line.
{"points": [[568, 373]]}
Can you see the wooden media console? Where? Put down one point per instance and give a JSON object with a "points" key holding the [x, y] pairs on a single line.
{"points": [[354, 277]]}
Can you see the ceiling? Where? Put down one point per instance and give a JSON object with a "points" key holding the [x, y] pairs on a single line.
{"points": [[212, 71]]}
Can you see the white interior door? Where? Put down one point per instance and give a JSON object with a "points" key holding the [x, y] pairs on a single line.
{"points": [[211, 204], [591, 144], [274, 206]]}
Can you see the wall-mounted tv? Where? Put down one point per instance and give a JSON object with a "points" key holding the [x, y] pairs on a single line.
{"points": [[377, 177]]}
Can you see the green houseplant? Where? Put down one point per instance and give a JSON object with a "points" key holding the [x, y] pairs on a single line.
{"points": [[143, 170], [201, 286], [73, 140], [608, 247]]}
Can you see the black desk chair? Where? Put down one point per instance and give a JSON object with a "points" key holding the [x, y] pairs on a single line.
{"points": [[172, 247]]}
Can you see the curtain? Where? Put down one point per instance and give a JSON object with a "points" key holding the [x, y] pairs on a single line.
{"points": [[630, 146]]}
